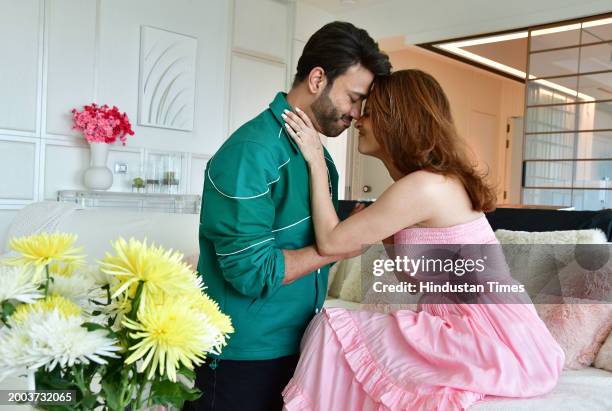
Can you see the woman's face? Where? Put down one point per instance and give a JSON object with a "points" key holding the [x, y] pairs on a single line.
{"points": [[368, 144]]}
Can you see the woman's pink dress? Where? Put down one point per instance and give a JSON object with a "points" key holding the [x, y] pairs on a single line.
{"points": [[443, 357]]}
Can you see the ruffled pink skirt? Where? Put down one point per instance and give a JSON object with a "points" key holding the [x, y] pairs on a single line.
{"points": [[445, 357]]}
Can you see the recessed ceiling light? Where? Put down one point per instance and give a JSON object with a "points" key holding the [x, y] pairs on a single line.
{"points": [[558, 29], [457, 48], [597, 22], [489, 39], [523, 34], [511, 70]]}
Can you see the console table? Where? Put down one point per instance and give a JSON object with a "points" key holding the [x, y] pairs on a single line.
{"points": [[163, 203]]}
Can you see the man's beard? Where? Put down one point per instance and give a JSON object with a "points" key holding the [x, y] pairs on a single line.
{"points": [[327, 115]]}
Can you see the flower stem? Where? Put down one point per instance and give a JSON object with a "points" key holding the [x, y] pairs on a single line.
{"points": [[136, 301], [47, 282], [139, 390]]}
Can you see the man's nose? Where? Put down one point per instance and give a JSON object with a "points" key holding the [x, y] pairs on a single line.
{"points": [[356, 112]]}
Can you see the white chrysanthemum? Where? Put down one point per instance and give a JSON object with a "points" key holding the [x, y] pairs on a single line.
{"points": [[50, 339], [17, 283], [99, 277], [14, 348], [78, 288]]}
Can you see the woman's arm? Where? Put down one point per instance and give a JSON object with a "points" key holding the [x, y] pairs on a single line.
{"points": [[407, 202]]}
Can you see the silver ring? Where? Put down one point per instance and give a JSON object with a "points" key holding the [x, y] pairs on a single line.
{"points": [[297, 133]]}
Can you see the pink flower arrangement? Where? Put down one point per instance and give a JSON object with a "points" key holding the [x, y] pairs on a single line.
{"points": [[102, 124]]}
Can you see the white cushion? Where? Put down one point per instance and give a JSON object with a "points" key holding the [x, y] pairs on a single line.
{"points": [[96, 228], [577, 390]]}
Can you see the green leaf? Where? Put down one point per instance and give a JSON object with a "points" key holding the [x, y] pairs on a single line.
{"points": [[96, 326], [166, 392], [114, 378], [112, 388], [52, 380], [93, 326], [7, 310], [186, 372], [89, 401]]}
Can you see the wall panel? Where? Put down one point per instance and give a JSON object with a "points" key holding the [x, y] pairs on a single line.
{"points": [[64, 167], [18, 165], [19, 42], [133, 159], [71, 70], [196, 178], [255, 82], [253, 15]]}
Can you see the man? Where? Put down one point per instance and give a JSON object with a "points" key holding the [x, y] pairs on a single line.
{"points": [[257, 255]]}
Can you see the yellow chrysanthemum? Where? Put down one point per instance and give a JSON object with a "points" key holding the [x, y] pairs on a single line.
{"points": [[210, 309], [45, 248], [64, 270], [64, 306], [161, 271], [170, 334]]}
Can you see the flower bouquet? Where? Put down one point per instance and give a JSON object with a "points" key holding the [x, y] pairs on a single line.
{"points": [[102, 124], [127, 334]]}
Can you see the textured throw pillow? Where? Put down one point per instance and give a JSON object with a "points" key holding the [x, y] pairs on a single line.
{"points": [[590, 236], [535, 258], [348, 278], [578, 280], [350, 289], [335, 279], [604, 357], [579, 326]]}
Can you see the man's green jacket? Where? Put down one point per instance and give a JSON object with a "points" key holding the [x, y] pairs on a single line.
{"points": [[256, 203]]}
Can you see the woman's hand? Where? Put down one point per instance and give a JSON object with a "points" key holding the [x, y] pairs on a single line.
{"points": [[302, 131]]}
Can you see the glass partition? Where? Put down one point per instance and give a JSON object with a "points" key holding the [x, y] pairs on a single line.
{"points": [[567, 158]]}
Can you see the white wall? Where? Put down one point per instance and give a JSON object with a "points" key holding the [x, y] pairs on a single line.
{"points": [[67, 53], [260, 56], [309, 19]]}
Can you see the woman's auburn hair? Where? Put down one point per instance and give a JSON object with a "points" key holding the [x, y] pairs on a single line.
{"points": [[412, 121]]}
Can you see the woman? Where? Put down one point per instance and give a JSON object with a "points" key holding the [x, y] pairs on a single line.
{"points": [[444, 356]]}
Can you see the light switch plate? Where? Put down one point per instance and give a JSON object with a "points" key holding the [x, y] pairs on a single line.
{"points": [[121, 168]]}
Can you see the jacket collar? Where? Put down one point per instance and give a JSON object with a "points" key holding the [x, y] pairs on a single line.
{"points": [[277, 106]]}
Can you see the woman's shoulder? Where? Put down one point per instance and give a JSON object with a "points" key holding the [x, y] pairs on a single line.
{"points": [[425, 182], [444, 196], [417, 192]]}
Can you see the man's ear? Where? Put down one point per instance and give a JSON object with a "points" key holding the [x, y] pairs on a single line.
{"points": [[317, 80]]}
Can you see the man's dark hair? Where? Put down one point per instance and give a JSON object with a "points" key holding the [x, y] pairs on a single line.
{"points": [[337, 46]]}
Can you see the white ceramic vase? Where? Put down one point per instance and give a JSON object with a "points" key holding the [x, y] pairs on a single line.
{"points": [[98, 176]]}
